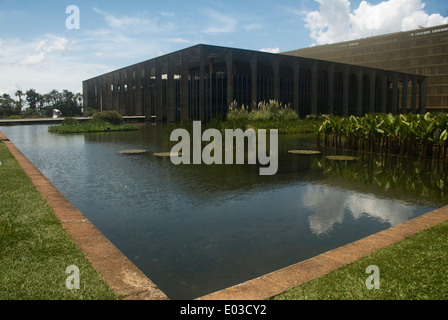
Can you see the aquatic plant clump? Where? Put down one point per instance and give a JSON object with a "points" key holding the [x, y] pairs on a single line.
{"points": [[71, 125], [112, 117], [406, 134], [264, 111]]}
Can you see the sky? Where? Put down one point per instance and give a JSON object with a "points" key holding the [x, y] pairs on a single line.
{"points": [[45, 45]]}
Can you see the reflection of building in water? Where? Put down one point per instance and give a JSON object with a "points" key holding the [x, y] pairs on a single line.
{"points": [[200, 82], [331, 204]]}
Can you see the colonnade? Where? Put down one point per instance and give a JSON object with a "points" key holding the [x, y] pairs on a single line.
{"points": [[202, 81]]}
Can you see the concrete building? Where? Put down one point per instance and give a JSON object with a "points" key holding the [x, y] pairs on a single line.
{"points": [[422, 51], [200, 82]]}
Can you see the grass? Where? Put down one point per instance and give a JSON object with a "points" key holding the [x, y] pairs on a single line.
{"points": [[70, 126], [414, 269], [35, 250]]}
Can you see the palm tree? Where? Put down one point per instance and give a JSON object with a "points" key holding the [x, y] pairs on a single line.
{"points": [[19, 93]]}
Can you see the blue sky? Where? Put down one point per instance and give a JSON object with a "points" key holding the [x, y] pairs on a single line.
{"points": [[38, 51]]}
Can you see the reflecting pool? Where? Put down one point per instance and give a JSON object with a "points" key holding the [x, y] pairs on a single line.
{"points": [[196, 229]]}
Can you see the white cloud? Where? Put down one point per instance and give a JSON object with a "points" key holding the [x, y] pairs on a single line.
{"points": [[46, 49], [335, 22], [57, 44], [43, 65], [270, 50], [252, 27], [168, 14], [421, 18], [135, 24], [219, 23]]}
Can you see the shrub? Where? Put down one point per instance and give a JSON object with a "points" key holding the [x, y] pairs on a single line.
{"points": [[236, 113], [273, 111], [89, 112], [112, 117], [13, 117], [70, 122]]}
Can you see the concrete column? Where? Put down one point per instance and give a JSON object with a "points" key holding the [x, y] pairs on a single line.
{"points": [[170, 90], [254, 79], [184, 89], [330, 72], [158, 91], [394, 107], [229, 72], [276, 71], [147, 90], [360, 85], [296, 84], [97, 93], [202, 62], [140, 87], [100, 91], [384, 93], [110, 93], [130, 102], [122, 93], [345, 91], [314, 81], [85, 95], [372, 91], [116, 95], [422, 95], [414, 95], [404, 95], [127, 89]]}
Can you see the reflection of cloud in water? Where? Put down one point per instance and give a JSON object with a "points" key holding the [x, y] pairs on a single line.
{"points": [[387, 211], [330, 204]]}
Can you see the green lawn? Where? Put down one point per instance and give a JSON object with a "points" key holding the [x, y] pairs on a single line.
{"points": [[414, 269], [34, 248]]}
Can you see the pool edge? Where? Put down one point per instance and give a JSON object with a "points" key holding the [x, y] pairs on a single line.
{"points": [[282, 280], [119, 273]]}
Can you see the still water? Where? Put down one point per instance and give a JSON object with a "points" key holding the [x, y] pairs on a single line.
{"points": [[196, 229]]}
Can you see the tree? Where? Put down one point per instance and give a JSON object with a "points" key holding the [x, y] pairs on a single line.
{"points": [[8, 106], [20, 94], [32, 99]]}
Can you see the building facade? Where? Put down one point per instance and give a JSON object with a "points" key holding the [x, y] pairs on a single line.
{"points": [[200, 82], [422, 51]]}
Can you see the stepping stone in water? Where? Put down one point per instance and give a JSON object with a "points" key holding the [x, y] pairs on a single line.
{"points": [[166, 154], [342, 158], [304, 152], [133, 151]]}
